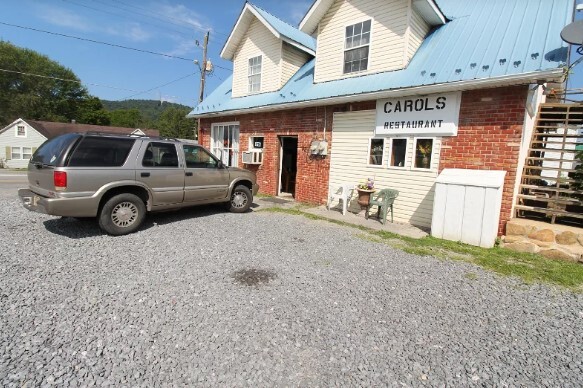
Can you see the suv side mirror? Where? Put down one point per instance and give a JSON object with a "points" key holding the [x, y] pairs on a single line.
{"points": [[220, 165]]}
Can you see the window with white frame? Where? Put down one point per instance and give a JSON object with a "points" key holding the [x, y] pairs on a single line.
{"points": [[423, 153], [356, 47], [20, 131], [398, 153], [255, 74], [376, 150], [20, 153], [225, 143]]}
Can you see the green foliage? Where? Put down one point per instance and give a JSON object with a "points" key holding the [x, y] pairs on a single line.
{"points": [[173, 123], [35, 97], [578, 174], [129, 118], [91, 112], [151, 110]]}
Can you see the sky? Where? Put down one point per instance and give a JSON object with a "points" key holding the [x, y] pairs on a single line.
{"points": [[163, 26], [169, 27]]}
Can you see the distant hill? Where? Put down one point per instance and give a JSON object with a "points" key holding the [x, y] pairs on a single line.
{"points": [[149, 109]]}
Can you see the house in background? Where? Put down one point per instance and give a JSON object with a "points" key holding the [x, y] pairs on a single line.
{"points": [[396, 90], [19, 140]]}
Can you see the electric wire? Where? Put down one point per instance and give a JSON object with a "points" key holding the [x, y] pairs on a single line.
{"points": [[159, 86], [107, 44], [67, 80], [125, 17], [97, 42]]}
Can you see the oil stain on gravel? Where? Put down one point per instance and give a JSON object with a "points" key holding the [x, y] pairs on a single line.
{"points": [[253, 277]]}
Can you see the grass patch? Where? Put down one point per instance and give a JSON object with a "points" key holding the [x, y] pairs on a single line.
{"points": [[528, 267]]}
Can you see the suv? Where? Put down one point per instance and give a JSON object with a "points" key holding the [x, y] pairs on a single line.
{"points": [[118, 178]]}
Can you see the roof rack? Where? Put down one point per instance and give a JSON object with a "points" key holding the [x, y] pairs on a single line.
{"points": [[102, 133]]}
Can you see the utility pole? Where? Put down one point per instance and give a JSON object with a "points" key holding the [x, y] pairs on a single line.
{"points": [[203, 68]]}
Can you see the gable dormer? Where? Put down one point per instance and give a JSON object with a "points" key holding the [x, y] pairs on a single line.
{"points": [[361, 37], [266, 52]]}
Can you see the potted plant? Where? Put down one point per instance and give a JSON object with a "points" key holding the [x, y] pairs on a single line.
{"points": [[365, 189], [423, 154]]}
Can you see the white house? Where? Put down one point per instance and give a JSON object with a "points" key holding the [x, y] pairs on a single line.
{"points": [[19, 140]]}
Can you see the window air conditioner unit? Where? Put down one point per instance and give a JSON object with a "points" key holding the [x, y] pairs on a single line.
{"points": [[252, 157]]}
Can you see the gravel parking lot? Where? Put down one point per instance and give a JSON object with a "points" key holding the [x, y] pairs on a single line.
{"points": [[209, 298]]}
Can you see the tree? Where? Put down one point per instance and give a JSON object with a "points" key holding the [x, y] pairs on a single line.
{"points": [[129, 118], [91, 111], [173, 123], [24, 95]]}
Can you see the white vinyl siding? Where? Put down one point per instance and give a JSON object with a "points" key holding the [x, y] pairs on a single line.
{"points": [[351, 136], [417, 32], [388, 30], [258, 40], [8, 139], [291, 62]]}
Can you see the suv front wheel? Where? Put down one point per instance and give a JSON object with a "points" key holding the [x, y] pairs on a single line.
{"points": [[241, 199], [122, 214]]}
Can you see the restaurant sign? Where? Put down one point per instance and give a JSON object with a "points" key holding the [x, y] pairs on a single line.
{"points": [[436, 114]]}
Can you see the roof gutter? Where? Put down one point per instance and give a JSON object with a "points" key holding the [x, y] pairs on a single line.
{"points": [[520, 79]]}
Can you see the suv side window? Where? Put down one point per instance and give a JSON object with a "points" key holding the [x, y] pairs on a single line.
{"points": [[197, 157], [51, 150], [160, 155], [101, 152]]}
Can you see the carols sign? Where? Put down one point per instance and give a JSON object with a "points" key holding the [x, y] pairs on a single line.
{"points": [[436, 114]]}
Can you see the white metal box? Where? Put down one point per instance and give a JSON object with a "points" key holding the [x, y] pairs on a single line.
{"points": [[466, 206]]}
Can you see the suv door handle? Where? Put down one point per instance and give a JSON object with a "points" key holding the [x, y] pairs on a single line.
{"points": [[188, 173], [145, 174]]}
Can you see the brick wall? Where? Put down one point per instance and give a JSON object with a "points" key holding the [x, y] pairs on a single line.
{"points": [[489, 135]]}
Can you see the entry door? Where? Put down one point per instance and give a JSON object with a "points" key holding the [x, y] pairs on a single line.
{"points": [[225, 143], [288, 165]]}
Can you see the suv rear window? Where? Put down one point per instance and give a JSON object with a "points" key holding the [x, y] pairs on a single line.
{"points": [[50, 152], [101, 152]]}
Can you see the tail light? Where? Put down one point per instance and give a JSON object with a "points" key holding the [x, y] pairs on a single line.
{"points": [[60, 179]]}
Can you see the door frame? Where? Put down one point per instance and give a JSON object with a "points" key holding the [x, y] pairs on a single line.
{"points": [[281, 139]]}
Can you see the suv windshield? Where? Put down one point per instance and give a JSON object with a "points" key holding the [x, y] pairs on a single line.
{"points": [[50, 151]]}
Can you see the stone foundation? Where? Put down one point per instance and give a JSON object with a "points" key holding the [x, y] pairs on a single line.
{"points": [[557, 242]]}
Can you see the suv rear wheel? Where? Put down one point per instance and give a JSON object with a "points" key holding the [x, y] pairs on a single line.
{"points": [[122, 214], [241, 199]]}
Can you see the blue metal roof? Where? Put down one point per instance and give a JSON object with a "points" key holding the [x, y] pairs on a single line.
{"points": [[286, 29], [483, 39]]}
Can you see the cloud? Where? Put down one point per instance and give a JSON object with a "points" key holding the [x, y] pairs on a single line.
{"points": [[64, 18], [183, 47], [130, 31], [297, 10], [183, 16]]}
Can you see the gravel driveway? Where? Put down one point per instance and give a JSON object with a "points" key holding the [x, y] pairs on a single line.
{"points": [[169, 306]]}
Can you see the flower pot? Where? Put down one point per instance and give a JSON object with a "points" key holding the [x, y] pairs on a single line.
{"points": [[364, 197]]}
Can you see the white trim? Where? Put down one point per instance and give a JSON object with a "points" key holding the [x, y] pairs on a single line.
{"points": [[16, 131], [390, 152], [249, 92], [249, 8], [368, 61], [368, 163], [235, 145], [251, 146], [531, 77], [431, 158]]}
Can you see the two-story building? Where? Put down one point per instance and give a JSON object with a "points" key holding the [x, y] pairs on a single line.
{"points": [[397, 90]]}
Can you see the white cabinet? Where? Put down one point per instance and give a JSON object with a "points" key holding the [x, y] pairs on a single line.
{"points": [[467, 205]]}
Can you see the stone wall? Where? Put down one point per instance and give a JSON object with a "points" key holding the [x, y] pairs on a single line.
{"points": [[552, 241]]}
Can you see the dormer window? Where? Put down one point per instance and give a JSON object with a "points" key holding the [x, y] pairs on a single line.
{"points": [[255, 74], [356, 47], [20, 131]]}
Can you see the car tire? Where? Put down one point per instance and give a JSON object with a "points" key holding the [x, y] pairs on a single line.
{"points": [[241, 199], [122, 214]]}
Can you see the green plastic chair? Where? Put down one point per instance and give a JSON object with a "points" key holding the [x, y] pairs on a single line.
{"points": [[384, 200]]}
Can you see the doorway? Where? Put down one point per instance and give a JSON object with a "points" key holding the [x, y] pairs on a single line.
{"points": [[288, 165]]}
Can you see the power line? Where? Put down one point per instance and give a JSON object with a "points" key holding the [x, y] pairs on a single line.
{"points": [[159, 86], [123, 16], [98, 42], [66, 79], [159, 17]]}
